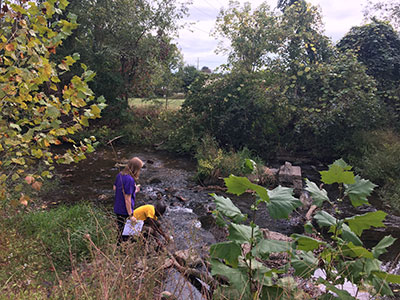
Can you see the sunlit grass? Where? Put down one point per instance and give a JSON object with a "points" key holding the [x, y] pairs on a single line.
{"points": [[173, 104]]}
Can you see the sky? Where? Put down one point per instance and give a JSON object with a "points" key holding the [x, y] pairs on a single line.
{"points": [[198, 46]]}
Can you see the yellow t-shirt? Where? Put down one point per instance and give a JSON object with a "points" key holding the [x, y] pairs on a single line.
{"points": [[145, 211]]}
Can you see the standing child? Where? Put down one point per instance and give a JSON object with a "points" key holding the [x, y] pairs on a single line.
{"points": [[125, 188]]}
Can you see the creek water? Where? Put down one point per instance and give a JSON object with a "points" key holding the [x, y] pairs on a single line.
{"points": [[188, 216]]}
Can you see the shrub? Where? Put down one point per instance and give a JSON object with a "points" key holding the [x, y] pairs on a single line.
{"points": [[236, 110], [214, 162], [379, 162]]}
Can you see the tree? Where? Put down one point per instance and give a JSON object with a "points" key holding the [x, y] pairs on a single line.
{"points": [[388, 10], [252, 35], [187, 75], [377, 46], [125, 41], [168, 82], [36, 111], [283, 4]]}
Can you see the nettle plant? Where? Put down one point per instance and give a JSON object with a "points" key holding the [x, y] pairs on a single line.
{"points": [[339, 254], [38, 108]]}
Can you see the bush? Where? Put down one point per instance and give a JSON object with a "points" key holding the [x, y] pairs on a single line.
{"points": [[379, 162], [236, 110], [215, 163]]}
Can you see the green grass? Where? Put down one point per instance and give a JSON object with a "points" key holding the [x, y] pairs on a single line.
{"points": [[36, 245], [173, 104]]}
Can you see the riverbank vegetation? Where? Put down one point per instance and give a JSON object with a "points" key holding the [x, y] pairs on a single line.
{"points": [[286, 89]]}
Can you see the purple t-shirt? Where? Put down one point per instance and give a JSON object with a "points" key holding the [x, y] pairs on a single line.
{"points": [[129, 185]]}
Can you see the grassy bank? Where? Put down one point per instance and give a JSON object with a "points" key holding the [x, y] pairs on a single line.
{"points": [[70, 252]]}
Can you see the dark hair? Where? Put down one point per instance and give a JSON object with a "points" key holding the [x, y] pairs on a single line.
{"points": [[160, 208]]}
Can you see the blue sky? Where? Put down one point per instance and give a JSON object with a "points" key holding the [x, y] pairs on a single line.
{"points": [[198, 46]]}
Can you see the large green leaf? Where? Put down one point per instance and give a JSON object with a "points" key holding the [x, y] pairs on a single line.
{"points": [[359, 191], [239, 185], [372, 219], [236, 277], [304, 264], [350, 236], [343, 295], [337, 174], [229, 251], [306, 243], [392, 278], [325, 219], [282, 202], [227, 208], [318, 195], [382, 246], [265, 247], [356, 251], [341, 163], [242, 233]]}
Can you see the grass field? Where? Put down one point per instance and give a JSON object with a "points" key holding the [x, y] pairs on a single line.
{"points": [[142, 102]]}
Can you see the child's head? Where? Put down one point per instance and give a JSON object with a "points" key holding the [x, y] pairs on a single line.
{"points": [[133, 167], [160, 208]]}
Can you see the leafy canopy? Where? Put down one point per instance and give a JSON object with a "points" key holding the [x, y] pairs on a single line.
{"points": [[36, 111]]}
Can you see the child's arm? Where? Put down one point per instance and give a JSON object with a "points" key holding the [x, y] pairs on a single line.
{"points": [[157, 228]]}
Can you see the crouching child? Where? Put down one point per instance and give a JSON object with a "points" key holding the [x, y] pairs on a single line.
{"points": [[150, 214]]}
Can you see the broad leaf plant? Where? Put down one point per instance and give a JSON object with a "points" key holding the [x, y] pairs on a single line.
{"points": [[340, 255], [39, 109]]}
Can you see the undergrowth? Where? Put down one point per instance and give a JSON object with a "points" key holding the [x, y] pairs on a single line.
{"points": [[379, 162], [71, 253]]}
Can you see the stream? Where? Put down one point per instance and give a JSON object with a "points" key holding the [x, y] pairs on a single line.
{"points": [[188, 217]]}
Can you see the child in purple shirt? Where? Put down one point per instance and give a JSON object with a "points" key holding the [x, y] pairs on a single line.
{"points": [[125, 188]]}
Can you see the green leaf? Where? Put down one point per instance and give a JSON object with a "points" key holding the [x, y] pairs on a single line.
{"points": [[392, 278], [239, 185], [282, 203], [250, 165], [337, 174], [325, 219], [304, 264], [227, 208], [242, 233], [236, 277], [359, 191], [341, 163], [382, 246], [356, 251], [318, 195], [343, 295], [306, 243], [229, 251], [372, 219], [350, 236], [265, 247], [382, 286]]}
